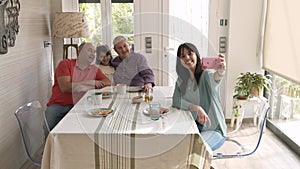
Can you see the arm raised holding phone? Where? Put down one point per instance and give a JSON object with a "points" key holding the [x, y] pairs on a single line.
{"points": [[220, 71], [198, 91], [217, 62]]}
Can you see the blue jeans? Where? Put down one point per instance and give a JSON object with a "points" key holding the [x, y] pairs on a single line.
{"points": [[213, 138], [54, 113]]}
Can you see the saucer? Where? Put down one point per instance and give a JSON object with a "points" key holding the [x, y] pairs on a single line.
{"points": [[163, 111], [134, 88], [107, 94], [99, 112], [137, 99]]}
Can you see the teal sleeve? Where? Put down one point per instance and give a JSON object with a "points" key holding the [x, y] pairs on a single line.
{"points": [[211, 102], [178, 101]]}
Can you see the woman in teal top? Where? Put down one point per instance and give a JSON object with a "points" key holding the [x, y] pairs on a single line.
{"points": [[198, 90]]}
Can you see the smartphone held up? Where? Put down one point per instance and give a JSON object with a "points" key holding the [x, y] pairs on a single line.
{"points": [[211, 62]]}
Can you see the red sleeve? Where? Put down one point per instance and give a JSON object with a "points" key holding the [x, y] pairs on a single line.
{"points": [[64, 68]]}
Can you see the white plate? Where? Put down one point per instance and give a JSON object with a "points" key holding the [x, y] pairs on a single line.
{"points": [[108, 94], [134, 88], [137, 99], [146, 111], [90, 112]]}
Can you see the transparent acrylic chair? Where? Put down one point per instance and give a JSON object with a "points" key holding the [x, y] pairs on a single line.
{"points": [[234, 147], [30, 118]]}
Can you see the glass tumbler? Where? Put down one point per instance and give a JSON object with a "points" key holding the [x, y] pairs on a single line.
{"points": [[154, 110]]}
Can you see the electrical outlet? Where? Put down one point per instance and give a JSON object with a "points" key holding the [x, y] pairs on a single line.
{"points": [[47, 44]]}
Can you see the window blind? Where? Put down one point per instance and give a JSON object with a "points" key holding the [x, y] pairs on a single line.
{"points": [[281, 52]]}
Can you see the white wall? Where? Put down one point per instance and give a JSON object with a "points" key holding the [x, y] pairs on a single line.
{"points": [[148, 15], [24, 76], [218, 10], [243, 43], [25, 72]]}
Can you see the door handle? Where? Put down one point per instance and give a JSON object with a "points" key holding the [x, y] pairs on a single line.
{"points": [[169, 49]]}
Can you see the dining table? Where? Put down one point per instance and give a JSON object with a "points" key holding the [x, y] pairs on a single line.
{"points": [[126, 137]]}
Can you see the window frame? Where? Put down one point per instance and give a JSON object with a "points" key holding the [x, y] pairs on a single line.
{"points": [[98, 1]]}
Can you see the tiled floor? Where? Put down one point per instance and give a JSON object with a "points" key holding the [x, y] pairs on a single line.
{"points": [[290, 128], [271, 154]]}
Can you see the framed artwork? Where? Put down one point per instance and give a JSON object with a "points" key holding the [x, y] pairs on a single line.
{"points": [[9, 26]]}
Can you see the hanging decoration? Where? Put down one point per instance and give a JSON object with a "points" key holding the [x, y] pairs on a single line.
{"points": [[9, 25]]}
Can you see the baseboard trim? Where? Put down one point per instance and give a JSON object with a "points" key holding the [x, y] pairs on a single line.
{"points": [[245, 120]]}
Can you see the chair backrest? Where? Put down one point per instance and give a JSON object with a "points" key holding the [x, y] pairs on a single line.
{"points": [[263, 109], [31, 120]]}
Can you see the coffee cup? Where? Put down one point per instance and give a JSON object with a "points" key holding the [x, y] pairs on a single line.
{"points": [[95, 98], [121, 88]]}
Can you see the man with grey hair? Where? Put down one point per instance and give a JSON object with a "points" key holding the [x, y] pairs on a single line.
{"points": [[131, 68]]}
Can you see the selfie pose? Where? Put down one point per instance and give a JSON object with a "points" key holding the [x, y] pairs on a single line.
{"points": [[198, 91]]}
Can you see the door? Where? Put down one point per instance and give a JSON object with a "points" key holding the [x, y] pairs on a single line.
{"points": [[183, 21]]}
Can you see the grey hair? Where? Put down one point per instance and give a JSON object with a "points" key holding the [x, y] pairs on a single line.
{"points": [[118, 39]]}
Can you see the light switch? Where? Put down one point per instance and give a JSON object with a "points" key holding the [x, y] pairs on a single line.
{"points": [[222, 45], [148, 44]]}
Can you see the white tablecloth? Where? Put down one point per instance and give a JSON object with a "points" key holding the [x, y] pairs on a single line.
{"points": [[126, 138]]}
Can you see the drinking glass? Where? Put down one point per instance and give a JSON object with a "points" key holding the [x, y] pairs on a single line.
{"points": [[154, 110], [148, 95], [121, 88]]}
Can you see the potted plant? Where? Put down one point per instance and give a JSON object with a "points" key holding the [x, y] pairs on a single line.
{"points": [[248, 85]]}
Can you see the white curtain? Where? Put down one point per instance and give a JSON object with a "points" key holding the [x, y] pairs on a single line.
{"points": [[281, 52]]}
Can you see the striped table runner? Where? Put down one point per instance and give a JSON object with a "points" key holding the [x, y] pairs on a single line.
{"points": [[115, 138], [125, 139], [114, 143]]}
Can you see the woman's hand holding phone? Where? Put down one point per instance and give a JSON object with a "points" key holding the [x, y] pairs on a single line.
{"points": [[222, 63], [216, 62], [222, 67]]}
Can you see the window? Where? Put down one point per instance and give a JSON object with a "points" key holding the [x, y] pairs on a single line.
{"points": [[285, 103], [122, 19], [280, 56], [93, 14], [119, 19]]}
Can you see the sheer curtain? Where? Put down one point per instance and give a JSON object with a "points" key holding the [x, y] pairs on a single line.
{"points": [[281, 53]]}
